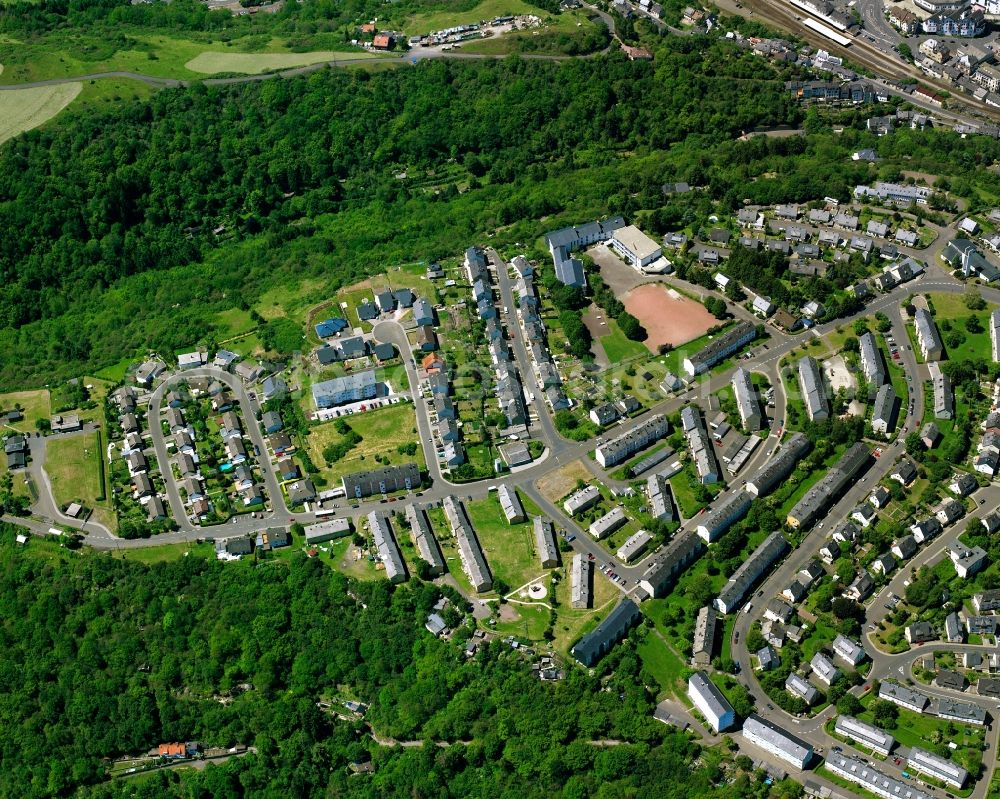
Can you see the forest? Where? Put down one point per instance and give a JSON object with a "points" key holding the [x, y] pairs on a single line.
{"points": [[106, 656]]}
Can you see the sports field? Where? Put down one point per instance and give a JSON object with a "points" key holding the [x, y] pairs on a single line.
{"points": [[669, 317], [24, 109], [211, 63]]}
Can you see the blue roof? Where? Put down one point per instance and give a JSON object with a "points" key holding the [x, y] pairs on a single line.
{"points": [[330, 327]]}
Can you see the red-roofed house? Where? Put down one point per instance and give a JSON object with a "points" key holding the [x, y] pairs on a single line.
{"points": [[383, 41], [173, 750]]}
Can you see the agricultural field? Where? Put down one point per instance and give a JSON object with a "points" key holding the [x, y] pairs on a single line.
{"points": [[73, 465], [215, 62], [383, 431], [24, 109]]}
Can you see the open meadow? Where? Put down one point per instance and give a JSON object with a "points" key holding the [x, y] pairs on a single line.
{"points": [[24, 109]]}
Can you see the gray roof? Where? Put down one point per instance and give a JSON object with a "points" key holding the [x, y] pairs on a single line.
{"points": [[388, 549], [620, 448], [593, 646], [832, 483], [872, 362], [773, 547], [469, 550], [678, 553], [857, 771], [708, 692], [926, 330], [780, 465], [423, 538], [813, 389], [791, 745]]}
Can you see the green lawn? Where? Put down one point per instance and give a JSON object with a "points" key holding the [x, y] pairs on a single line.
{"points": [[73, 466], [34, 405], [685, 485], [509, 548], [618, 348], [663, 663], [382, 431], [976, 345]]}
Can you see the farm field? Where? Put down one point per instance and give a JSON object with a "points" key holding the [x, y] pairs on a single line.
{"points": [[24, 109], [382, 432], [214, 62]]}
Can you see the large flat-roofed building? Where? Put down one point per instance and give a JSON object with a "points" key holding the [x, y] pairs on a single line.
{"points": [[510, 504], [779, 742], [634, 546], [596, 644], [729, 511], [710, 702], [706, 628], [718, 349], [780, 465], [405, 476], [424, 540], [682, 549], [661, 503], [634, 246], [561, 243], [545, 542], [813, 389], [995, 334], [582, 500], [872, 362], [857, 771], [470, 552], [747, 401], [386, 546], [937, 767], [354, 387], [808, 508], [773, 547], [928, 338], [865, 734], [620, 448], [327, 530], [902, 696], [581, 576], [608, 523]]}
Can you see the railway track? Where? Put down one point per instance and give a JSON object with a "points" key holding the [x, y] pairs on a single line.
{"points": [[783, 16]]}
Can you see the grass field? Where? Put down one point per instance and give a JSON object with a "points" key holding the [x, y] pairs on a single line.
{"points": [[166, 552], [24, 109], [557, 484], [618, 348], [213, 62], [662, 662], [73, 466], [34, 404], [509, 548], [976, 345], [382, 431]]}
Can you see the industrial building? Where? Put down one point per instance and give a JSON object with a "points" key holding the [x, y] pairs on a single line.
{"points": [[470, 552]]}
